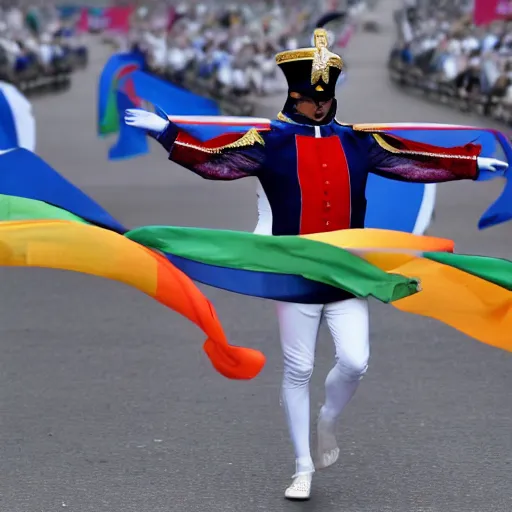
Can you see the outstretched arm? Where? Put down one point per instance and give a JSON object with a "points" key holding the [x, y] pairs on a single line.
{"points": [[400, 159], [229, 157]]}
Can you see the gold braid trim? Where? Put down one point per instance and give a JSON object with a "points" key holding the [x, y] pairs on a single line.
{"points": [[367, 127], [388, 147], [284, 119], [294, 55], [334, 61], [251, 138]]}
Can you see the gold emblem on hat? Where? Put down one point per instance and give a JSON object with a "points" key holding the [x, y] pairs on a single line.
{"points": [[322, 58]]}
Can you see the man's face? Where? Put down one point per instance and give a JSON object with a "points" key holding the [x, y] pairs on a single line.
{"points": [[315, 110]]}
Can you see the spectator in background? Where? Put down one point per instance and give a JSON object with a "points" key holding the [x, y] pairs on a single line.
{"points": [[229, 47], [37, 42], [437, 38]]}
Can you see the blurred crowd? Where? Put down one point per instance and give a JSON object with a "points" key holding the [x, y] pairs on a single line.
{"points": [[441, 51], [38, 46], [217, 48], [230, 49]]}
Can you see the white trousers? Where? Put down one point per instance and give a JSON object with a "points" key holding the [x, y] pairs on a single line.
{"points": [[348, 322]]}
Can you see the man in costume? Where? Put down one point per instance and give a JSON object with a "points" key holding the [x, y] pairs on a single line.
{"points": [[313, 173]]}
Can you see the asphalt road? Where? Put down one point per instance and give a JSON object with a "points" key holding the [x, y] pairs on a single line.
{"points": [[108, 404]]}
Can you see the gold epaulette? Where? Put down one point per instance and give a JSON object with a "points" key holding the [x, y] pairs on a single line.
{"points": [[250, 138], [378, 130], [391, 149], [285, 119]]}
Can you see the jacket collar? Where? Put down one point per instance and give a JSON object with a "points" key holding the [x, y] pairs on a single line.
{"points": [[287, 119]]}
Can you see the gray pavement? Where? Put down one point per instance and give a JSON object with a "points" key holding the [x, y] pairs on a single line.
{"points": [[108, 404]]}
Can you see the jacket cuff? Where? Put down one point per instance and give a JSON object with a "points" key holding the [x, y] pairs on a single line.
{"points": [[168, 137]]}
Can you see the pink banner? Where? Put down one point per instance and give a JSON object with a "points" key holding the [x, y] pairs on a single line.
{"points": [[487, 11], [83, 21], [118, 18]]}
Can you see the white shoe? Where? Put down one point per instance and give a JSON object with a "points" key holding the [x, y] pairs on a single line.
{"points": [[327, 448], [300, 488]]}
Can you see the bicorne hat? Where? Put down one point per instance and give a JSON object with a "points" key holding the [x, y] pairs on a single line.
{"points": [[312, 72]]}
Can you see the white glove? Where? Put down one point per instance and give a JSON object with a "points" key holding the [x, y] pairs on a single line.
{"points": [[145, 120], [491, 164]]}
